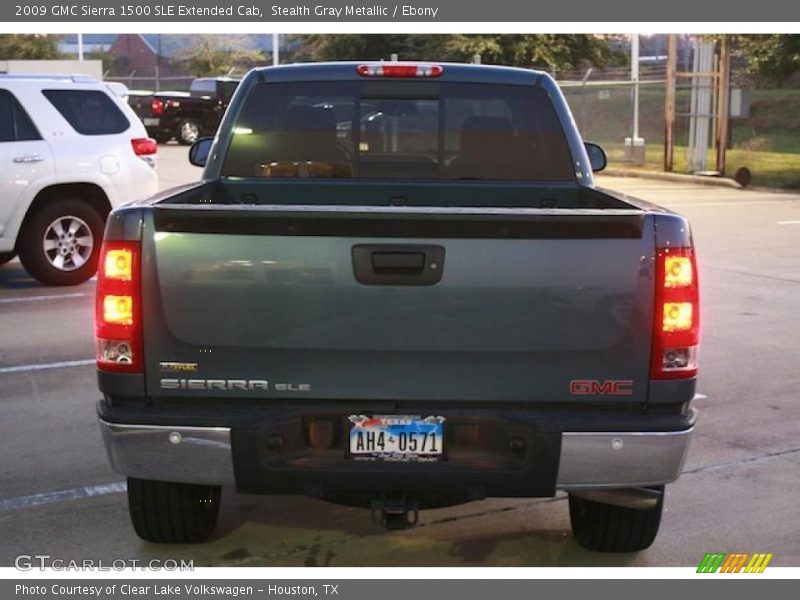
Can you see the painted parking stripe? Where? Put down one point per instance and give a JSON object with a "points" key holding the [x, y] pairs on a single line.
{"points": [[40, 367], [89, 491], [788, 222], [728, 203], [51, 297]]}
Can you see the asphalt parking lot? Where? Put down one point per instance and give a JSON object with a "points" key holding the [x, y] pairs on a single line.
{"points": [[739, 491]]}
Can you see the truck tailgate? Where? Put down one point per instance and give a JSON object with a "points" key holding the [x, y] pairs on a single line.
{"points": [[505, 305]]}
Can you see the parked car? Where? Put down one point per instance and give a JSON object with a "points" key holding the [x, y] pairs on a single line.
{"points": [[186, 116], [432, 305], [71, 149]]}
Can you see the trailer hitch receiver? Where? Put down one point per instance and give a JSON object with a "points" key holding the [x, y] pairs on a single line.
{"points": [[395, 513]]}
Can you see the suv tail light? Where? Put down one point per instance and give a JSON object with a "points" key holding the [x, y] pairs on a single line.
{"points": [[399, 70], [157, 107], [144, 146], [676, 315], [118, 308]]}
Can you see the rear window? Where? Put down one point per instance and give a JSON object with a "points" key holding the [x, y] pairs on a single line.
{"points": [[15, 124], [398, 130], [203, 87], [227, 89], [89, 112]]}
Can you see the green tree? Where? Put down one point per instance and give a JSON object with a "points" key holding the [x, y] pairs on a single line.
{"points": [[770, 58], [16, 46], [543, 51], [320, 47], [546, 51], [208, 55]]}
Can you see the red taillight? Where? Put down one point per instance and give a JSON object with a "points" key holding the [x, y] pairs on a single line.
{"points": [[157, 107], [676, 316], [399, 70], [144, 146], [118, 308]]}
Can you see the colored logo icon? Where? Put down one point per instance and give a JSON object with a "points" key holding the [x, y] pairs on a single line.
{"points": [[736, 562]]}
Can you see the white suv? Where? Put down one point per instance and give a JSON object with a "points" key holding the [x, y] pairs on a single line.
{"points": [[71, 149]]}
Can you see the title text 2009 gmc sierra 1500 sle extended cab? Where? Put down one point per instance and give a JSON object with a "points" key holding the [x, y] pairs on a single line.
{"points": [[397, 287]]}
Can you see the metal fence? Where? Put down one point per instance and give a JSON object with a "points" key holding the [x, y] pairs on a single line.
{"points": [[155, 80], [764, 131]]}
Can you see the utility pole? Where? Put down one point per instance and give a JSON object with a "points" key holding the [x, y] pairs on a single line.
{"points": [[80, 46], [669, 102], [635, 80], [723, 103], [276, 60]]}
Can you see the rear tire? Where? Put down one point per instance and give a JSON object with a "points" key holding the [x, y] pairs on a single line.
{"points": [[189, 132], [173, 513], [608, 528], [60, 243], [6, 257]]}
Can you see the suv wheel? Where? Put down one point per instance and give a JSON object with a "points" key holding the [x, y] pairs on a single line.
{"points": [[188, 132], [173, 513], [6, 257], [607, 528], [61, 242]]}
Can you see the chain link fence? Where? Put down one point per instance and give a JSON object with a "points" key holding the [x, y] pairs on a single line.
{"points": [[764, 131], [764, 127], [156, 80]]}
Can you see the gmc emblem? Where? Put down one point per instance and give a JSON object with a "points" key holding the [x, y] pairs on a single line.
{"points": [[593, 387]]}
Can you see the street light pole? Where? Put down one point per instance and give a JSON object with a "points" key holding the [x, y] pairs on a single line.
{"points": [[635, 81], [275, 58], [634, 145]]}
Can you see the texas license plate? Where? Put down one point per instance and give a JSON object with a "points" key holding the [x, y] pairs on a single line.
{"points": [[402, 438], [151, 121]]}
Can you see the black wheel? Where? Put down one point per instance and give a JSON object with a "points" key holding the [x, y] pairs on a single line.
{"points": [[6, 257], [60, 243], [607, 528], [188, 132], [173, 513]]}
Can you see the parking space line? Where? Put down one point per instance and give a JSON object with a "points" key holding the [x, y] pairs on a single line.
{"points": [[726, 203], [51, 297], [89, 491], [788, 222], [56, 365]]}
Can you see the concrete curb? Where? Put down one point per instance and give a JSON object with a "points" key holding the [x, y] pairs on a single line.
{"points": [[674, 177]]}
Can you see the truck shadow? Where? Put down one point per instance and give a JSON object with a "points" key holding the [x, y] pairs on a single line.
{"points": [[14, 277], [298, 531]]}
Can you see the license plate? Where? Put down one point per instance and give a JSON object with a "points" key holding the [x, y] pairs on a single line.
{"points": [[403, 438], [151, 121]]}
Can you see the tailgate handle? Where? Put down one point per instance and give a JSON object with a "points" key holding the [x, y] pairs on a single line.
{"points": [[398, 264]]}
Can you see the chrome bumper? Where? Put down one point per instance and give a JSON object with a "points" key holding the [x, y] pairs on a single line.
{"points": [[179, 454], [588, 460], [614, 460]]}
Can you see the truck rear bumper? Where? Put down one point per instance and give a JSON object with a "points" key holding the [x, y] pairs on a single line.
{"points": [[548, 461]]}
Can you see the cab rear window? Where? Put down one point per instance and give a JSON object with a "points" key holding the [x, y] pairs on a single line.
{"points": [[392, 130], [89, 112]]}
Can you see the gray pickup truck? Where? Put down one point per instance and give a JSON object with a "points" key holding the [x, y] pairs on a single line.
{"points": [[397, 287]]}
